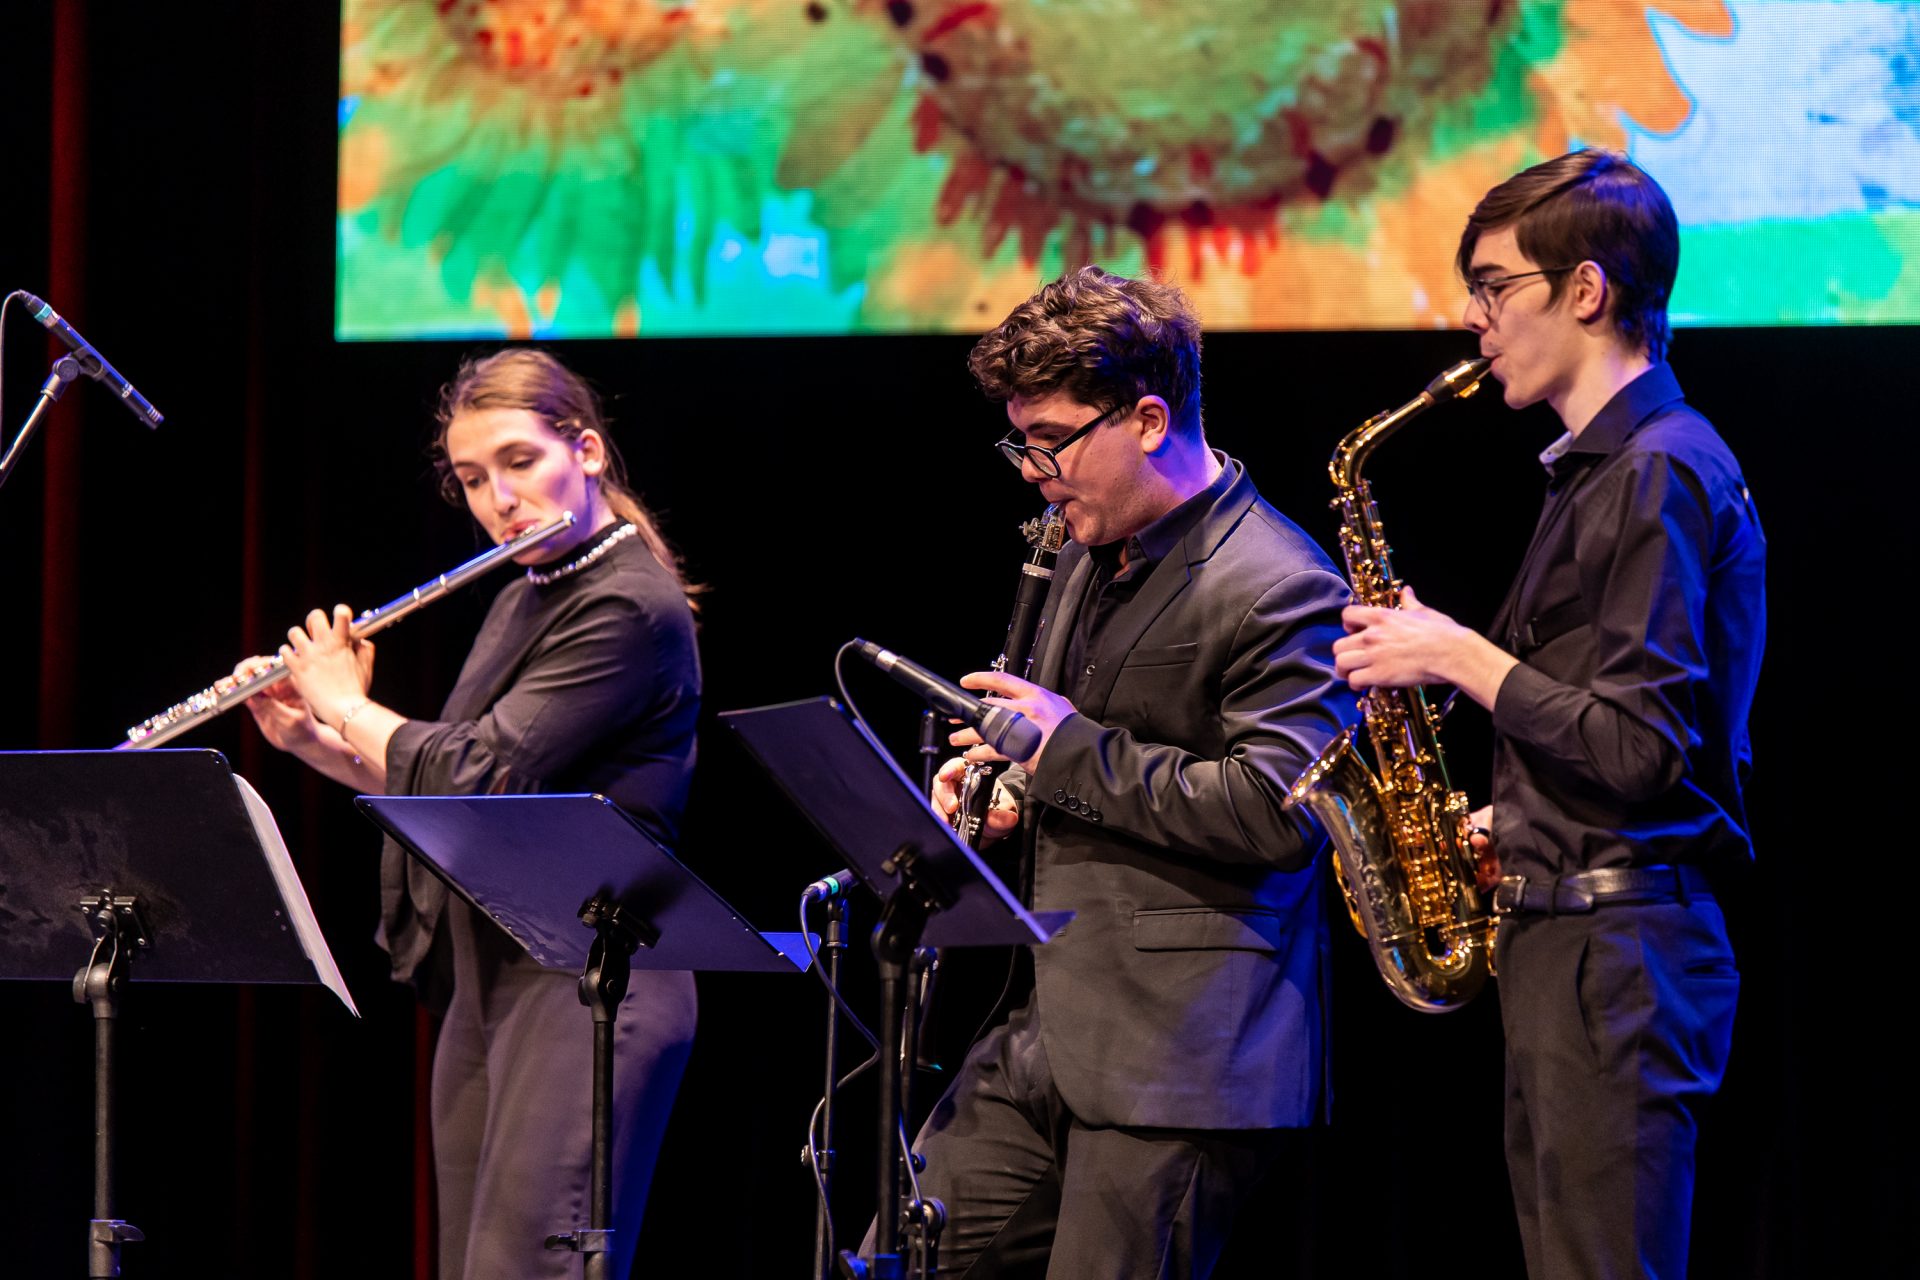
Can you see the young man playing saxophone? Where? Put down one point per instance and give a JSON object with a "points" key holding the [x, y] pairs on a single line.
{"points": [[1183, 678], [1619, 674]]}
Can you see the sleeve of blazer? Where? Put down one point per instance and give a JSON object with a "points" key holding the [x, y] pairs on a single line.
{"points": [[1280, 704], [595, 674]]}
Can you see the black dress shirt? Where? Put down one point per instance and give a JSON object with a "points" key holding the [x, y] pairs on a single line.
{"points": [[1638, 617], [1110, 586]]}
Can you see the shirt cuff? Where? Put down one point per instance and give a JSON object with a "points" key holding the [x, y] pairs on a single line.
{"points": [[403, 751], [1516, 706]]}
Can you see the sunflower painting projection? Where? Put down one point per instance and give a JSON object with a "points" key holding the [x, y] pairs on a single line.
{"points": [[593, 168]]}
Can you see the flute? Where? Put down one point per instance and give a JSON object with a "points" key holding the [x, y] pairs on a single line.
{"points": [[228, 692]]}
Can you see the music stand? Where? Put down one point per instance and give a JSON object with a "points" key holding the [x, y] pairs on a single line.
{"points": [[164, 855], [936, 891], [539, 867]]}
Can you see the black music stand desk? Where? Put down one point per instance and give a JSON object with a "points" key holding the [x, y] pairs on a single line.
{"points": [[158, 864], [540, 867], [936, 889], [838, 774]]}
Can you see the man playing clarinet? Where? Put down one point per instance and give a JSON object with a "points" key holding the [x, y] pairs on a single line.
{"points": [[1176, 1029]]}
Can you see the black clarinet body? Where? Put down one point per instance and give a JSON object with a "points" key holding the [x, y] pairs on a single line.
{"points": [[1045, 534]]}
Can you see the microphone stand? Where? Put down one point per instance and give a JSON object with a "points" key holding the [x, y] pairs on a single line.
{"points": [[929, 749], [895, 940], [925, 965], [832, 945], [907, 972], [922, 1219], [65, 370]]}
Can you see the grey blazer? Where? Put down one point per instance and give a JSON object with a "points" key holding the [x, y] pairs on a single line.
{"points": [[1189, 990]]}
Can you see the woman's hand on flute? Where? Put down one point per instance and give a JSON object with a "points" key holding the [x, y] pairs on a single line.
{"points": [[331, 670], [281, 713]]}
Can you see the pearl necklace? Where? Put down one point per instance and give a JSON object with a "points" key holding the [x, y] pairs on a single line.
{"points": [[600, 548]]}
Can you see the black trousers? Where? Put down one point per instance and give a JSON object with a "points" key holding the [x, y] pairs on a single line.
{"points": [[513, 1106], [1618, 1025], [1031, 1191]]}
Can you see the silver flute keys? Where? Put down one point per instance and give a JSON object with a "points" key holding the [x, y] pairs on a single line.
{"points": [[228, 692]]}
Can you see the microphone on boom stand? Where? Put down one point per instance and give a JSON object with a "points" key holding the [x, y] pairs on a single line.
{"points": [[92, 363]]}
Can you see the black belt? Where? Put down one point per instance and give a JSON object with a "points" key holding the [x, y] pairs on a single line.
{"points": [[1583, 891]]}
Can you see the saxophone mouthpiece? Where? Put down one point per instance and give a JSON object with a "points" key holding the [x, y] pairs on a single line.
{"points": [[1461, 381]]}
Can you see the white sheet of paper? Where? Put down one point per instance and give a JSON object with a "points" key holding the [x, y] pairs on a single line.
{"points": [[299, 910]]}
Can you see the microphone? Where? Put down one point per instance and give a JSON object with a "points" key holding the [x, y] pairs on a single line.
{"points": [[1001, 727], [92, 363], [836, 885]]}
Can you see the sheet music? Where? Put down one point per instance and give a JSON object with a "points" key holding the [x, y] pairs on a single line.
{"points": [[294, 894]]}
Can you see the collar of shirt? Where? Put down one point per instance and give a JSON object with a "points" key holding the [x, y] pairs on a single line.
{"points": [[1557, 450], [1152, 544], [1631, 405]]}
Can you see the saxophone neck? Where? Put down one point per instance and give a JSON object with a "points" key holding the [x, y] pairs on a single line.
{"points": [[1456, 383]]}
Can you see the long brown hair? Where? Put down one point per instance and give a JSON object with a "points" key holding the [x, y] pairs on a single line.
{"points": [[529, 379]]}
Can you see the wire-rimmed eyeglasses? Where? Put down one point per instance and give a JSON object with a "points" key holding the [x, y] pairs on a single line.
{"points": [[1045, 458], [1484, 289]]}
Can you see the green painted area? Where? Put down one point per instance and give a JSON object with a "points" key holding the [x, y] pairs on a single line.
{"points": [[783, 178], [1506, 105], [1859, 269]]}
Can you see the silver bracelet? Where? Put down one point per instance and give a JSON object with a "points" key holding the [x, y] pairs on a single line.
{"points": [[347, 719]]}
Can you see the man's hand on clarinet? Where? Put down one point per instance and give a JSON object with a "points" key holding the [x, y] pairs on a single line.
{"points": [[1002, 818], [1045, 708]]}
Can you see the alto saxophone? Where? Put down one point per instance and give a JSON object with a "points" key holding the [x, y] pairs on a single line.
{"points": [[1400, 836], [1046, 534]]}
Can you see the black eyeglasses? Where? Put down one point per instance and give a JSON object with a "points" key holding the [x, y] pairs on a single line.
{"points": [[1482, 288], [1046, 458]]}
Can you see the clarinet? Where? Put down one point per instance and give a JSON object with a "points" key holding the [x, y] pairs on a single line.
{"points": [[228, 692], [1046, 534]]}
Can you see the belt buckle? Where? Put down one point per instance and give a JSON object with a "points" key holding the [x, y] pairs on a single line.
{"points": [[1510, 895]]}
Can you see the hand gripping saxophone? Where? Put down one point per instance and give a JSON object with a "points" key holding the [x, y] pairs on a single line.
{"points": [[228, 692], [1405, 864]]}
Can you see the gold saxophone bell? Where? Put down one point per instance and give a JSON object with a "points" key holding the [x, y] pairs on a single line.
{"points": [[1400, 833]]}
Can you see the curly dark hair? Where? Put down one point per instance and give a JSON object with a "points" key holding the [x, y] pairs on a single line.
{"points": [[1592, 206], [1106, 340]]}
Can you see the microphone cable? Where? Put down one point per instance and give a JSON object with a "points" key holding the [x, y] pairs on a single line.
{"points": [[840, 678], [812, 1151], [6, 454]]}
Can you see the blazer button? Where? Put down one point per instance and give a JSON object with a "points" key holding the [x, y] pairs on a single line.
{"points": [[1060, 797], [1093, 815]]}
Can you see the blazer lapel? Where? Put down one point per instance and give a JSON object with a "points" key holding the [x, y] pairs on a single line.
{"points": [[490, 666], [1166, 580], [1057, 616]]}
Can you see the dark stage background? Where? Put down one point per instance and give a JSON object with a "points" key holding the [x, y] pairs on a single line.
{"points": [[169, 188]]}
